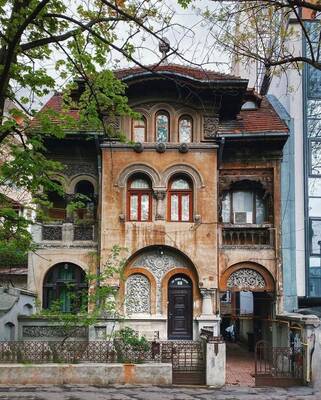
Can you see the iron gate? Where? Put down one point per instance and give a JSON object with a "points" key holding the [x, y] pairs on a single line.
{"points": [[278, 366], [188, 361]]}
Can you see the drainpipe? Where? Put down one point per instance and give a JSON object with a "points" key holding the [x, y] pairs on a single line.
{"points": [[99, 205]]}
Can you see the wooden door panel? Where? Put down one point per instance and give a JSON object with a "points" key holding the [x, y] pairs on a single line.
{"points": [[180, 313]]}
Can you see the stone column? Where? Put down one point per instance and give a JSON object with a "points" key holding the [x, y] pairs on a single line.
{"points": [[160, 209], [208, 320]]}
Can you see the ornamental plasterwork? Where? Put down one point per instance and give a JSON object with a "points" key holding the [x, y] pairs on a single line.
{"points": [[211, 125], [77, 168], [137, 294], [158, 262], [246, 278]]}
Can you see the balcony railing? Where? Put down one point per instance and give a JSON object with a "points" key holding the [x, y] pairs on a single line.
{"points": [[66, 232], [247, 236]]}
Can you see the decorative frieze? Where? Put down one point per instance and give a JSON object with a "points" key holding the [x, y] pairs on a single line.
{"points": [[246, 279], [37, 331], [211, 125], [80, 168], [137, 294]]}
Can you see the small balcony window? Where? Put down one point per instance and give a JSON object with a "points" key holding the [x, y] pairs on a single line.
{"points": [[243, 207]]}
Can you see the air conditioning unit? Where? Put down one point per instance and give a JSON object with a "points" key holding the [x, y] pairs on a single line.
{"points": [[243, 217]]}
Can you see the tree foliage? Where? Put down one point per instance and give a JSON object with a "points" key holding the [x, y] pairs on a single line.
{"points": [[267, 32], [43, 44]]}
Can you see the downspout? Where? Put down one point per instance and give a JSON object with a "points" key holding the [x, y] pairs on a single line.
{"points": [[219, 163], [99, 205]]}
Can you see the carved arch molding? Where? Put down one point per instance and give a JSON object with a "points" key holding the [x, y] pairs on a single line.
{"points": [[248, 277], [158, 262]]}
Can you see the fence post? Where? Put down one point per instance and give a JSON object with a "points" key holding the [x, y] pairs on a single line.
{"points": [[215, 362]]}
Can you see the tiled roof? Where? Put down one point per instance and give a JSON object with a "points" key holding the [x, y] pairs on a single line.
{"points": [[263, 119], [192, 72]]}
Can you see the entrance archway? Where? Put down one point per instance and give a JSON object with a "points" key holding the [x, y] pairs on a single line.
{"points": [[246, 300], [180, 308]]}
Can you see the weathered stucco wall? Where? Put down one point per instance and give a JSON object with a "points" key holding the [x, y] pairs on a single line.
{"points": [[92, 374], [196, 239]]}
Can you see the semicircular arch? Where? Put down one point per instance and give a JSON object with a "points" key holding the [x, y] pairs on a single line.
{"points": [[138, 169], [247, 276], [183, 169]]}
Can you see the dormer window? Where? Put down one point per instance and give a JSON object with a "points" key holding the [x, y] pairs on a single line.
{"points": [[185, 129], [162, 127], [243, 207], [139, 130]]}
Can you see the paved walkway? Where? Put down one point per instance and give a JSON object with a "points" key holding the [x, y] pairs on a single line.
{"points": [[82, 392], [239, 365]]}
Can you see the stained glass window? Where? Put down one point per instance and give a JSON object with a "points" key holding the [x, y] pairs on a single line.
{"points": [[162, 127], [139, 199], [180, 200], [139, 130], [185, 129]]}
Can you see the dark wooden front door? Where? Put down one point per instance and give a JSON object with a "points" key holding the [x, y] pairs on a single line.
{"points": [[180, 308]]}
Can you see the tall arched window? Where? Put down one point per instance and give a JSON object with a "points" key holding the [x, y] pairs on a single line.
{"points": [[139, 199], [162, 126], [65, 286], [139, 130], [87, 195], [185, 129], [180, 199]]}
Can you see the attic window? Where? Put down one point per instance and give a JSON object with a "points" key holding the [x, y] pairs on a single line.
{"points": [[249, 105]]}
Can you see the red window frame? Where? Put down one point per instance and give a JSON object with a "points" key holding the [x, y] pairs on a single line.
{"points": [[139, 193], [180, 193]]}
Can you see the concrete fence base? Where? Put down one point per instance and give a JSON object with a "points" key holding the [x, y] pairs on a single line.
{"points": [[215, 364], [91, 374]]}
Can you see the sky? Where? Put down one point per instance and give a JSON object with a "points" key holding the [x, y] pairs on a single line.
{"points": [[187, 33]]}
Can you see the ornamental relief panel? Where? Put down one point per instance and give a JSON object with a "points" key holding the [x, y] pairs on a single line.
{"points": [[137, 294], [246, 279], [159, 262]]}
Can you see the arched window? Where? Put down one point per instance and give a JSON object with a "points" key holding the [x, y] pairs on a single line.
{"points": [[58, 201], [180, 199], [139, 130], [65, 287], [162, 126], [86, 195], [185, 129], [243, 207], [139, 199], [9, 331]]}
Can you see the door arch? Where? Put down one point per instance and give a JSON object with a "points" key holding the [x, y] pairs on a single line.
{"points": [[180, 308]]}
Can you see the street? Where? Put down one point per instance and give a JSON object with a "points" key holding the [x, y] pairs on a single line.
{"points": [[125, 392]]}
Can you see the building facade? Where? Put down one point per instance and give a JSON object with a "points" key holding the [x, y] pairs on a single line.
{"points": [[193, 195]]}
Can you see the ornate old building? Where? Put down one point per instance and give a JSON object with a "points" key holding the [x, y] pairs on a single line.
{"points": [[193, 196]]}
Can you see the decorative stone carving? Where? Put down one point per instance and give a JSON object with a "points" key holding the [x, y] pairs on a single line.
{"points": [[247, 279], [52, 232], [82, 168], [113, 123], [35, 331], [83, 232], [160, 211], [137, 294], [211, 125], [158, 262]]}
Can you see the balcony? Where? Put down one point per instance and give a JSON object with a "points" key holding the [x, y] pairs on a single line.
{"points": [[247, 236], [64, 234]]}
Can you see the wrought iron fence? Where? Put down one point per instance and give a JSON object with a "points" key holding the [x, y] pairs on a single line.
{"points": [[279, 362], [187, 355], [75, 352]]}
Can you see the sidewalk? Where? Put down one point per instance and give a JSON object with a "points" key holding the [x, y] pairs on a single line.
{"points": [[124, 392]]}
